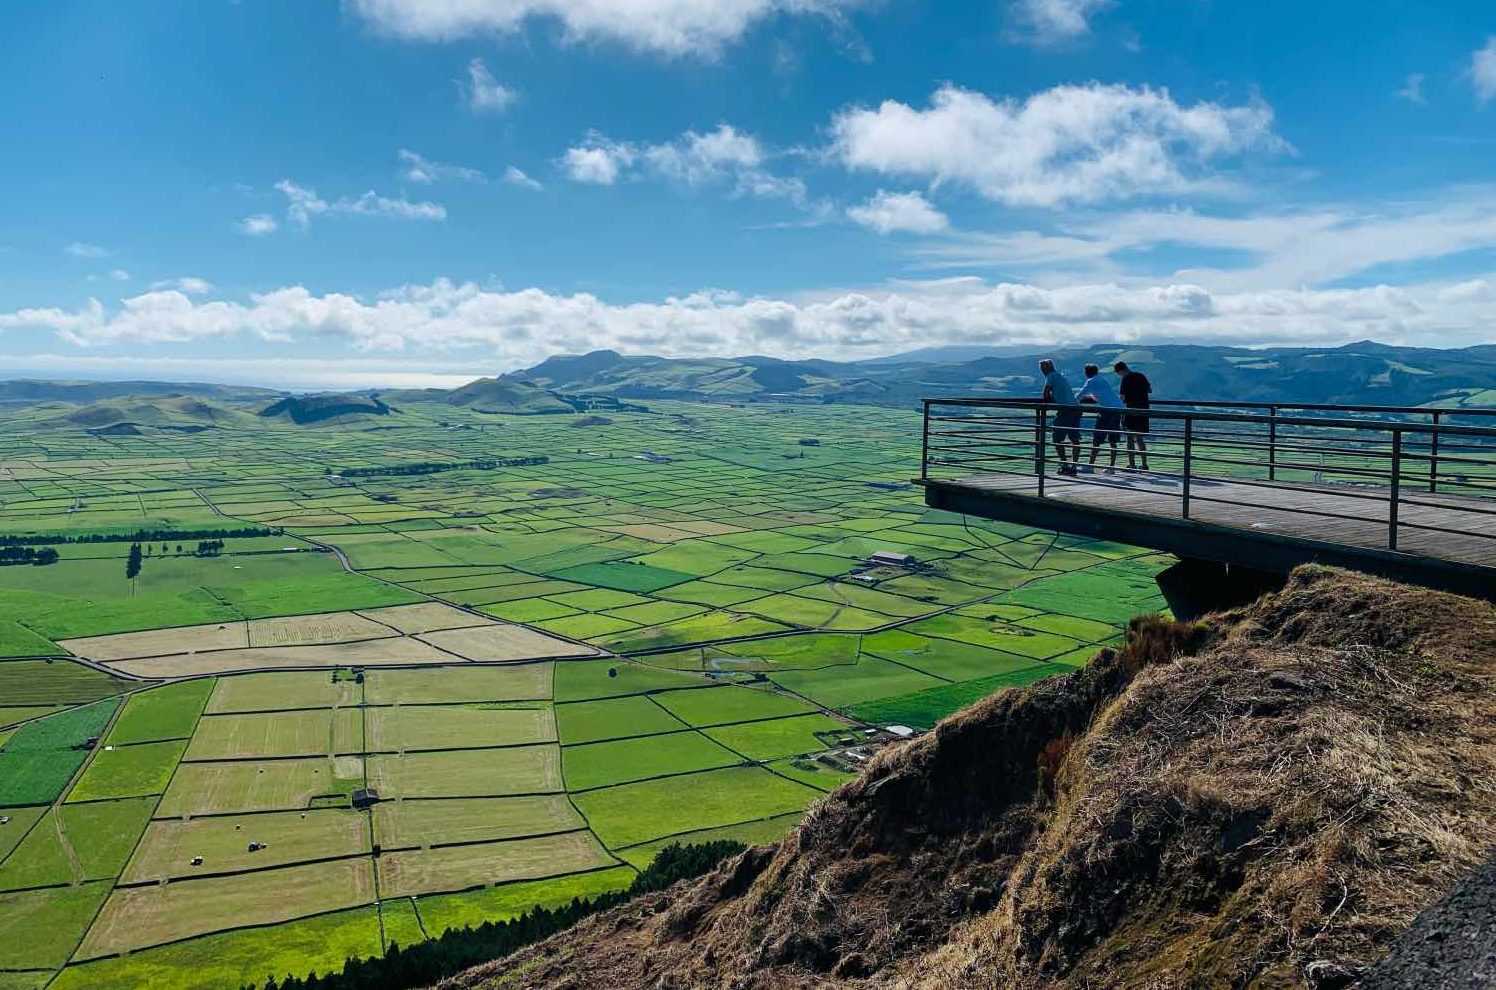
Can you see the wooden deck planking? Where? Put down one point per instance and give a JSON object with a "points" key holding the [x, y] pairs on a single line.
{"points": [[1347, 516]]}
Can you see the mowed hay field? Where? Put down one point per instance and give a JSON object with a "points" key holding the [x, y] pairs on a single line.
{"points": [[543, 674]]}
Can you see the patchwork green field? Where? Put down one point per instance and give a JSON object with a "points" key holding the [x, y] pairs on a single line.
{"points": [[429, 700]]}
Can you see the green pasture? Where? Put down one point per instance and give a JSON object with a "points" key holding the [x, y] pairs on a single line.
{"points": [[728, 586]]}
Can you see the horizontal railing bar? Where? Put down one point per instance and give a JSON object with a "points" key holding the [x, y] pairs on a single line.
{"points": [[1306, 406], [1226, 417]]}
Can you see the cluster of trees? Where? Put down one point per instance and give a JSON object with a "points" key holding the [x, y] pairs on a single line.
{"points": [[436, 467], [427, 963], [205, 548], [13, 555], [139, 536]]}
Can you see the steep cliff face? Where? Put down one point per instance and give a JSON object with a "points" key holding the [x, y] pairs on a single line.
{"points": [[1264, 799]]}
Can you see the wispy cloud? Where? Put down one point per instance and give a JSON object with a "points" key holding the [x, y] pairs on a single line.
{"points": [[724, 156], [303, 203], [188, 284], [1046, 22], [484, 93], [1483, 72], [79, 249], [1412, 89], [415, 168], [517, 177], [1310, 246], [258, 225]]}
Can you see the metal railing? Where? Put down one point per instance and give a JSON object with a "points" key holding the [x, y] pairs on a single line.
{"points": [[1408, 466]]}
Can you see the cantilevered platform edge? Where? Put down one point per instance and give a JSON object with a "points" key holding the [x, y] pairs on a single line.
{"points": [[1190, 539]]}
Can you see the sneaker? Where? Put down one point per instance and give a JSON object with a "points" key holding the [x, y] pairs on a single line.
{"points": [[1111, 470]]}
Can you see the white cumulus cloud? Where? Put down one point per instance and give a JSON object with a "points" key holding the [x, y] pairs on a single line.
{"points": [[514, 328], [1069, 144], [667, 27], [484, 93], [598, 162], [887, 212]]}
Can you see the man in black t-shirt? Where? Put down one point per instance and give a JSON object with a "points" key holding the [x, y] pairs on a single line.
{"points": [[1135, 389]]}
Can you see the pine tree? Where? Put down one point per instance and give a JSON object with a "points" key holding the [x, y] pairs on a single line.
{"points": [[132, 564]]}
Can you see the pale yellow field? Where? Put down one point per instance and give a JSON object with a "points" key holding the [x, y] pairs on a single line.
{"points": [[136, 917], [299, 733], [428, 871], [158, 642], [423, 617], [395, 651], [274, 691], [520, 682], [314, 630], [502, 642], [654, 532]]}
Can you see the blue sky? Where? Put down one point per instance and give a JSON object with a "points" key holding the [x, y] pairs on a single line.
{"points": [[308, 192]]}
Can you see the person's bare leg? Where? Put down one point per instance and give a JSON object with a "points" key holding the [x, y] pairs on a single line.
{"points": [[1059, 449], [1132, 452], [1143, 451], [1113, 466], [1075, 450], [1095, 447]]}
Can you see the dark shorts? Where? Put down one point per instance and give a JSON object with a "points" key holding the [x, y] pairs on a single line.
{"points": [[1067, 426], [1108, 425], [1135, 422]]}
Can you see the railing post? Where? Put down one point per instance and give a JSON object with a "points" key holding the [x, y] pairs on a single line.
{"points": [[1272, 443], [1433, 456], [1396, 493], [924, 446], [1041, 427], [1189, 436]]}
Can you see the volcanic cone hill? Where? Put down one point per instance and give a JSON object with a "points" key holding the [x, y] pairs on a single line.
{"points": [[1266, 799]]}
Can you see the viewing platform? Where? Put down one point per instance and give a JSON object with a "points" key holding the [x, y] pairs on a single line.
{"points": [[1405, 492]]}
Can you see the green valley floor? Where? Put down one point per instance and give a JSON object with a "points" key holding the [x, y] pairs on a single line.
{"points": [[417, 688]]}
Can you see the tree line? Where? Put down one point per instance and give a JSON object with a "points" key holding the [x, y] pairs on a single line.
{"points": [[427, 963], [436, 467], [13, 555], [139, 536]]}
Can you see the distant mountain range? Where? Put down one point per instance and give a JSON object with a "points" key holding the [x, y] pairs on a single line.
{"points": [[1365, 373], [1361, 373]]}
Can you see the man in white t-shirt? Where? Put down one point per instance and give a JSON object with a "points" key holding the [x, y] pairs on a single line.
{"points": [[1098, 391]]}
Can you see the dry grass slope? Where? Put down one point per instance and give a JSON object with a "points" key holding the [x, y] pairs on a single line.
{"points": [[1264, 799]]}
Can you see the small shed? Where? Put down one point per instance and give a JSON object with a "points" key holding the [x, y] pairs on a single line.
{"points": [[891, 558], [364, 797]]}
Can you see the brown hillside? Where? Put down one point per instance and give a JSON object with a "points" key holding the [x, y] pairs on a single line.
{"points": [[1265, 799]]}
